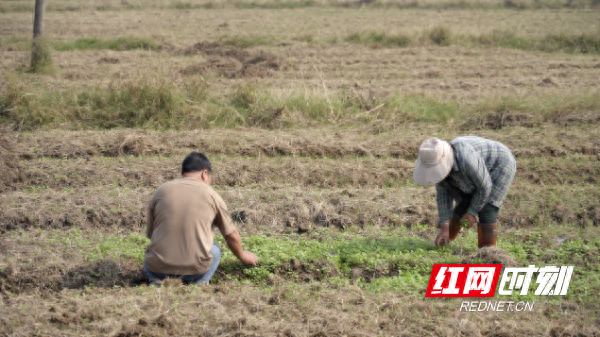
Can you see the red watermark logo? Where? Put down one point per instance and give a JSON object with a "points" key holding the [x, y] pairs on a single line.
{"points": [[480, 280], [463, 280]]}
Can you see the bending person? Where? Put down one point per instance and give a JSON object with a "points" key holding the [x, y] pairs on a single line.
{"points": [[473, 171], [181, 217]]}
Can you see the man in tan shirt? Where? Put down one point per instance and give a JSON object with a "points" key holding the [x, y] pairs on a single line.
{"points": [[181, 217]]}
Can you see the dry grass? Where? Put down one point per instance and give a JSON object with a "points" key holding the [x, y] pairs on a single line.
{"points": [[311, 112], [283, 310], [63, 171], [96, 299], [187, 5], [413, 83]]}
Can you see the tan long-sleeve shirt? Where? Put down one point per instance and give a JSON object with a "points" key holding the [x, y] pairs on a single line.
{"points": [[181, 216]]}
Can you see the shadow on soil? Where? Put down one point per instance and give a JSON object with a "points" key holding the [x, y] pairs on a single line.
{"points": [[105, 273]]}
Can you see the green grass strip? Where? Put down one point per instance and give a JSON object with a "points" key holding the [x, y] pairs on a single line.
{"points": [[334, 256], [118, 44]]}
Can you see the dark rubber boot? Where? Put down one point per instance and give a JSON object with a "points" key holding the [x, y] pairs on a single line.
{"points": [[455, 227], [487, 234]]}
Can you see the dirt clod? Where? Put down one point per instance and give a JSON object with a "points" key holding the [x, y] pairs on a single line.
{"points": [[356, 273], [308, 270], [491, 255], [163, 321], [233, 62], [240, 216], [9, 163], [3, 246], [549, 81], [104, 271], [135, 145], [64, 319], [134, 331], [498, 120], [303, 228], [109, 60]]}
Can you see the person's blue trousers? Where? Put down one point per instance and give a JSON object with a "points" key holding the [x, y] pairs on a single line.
{"points": [[215, 250]]}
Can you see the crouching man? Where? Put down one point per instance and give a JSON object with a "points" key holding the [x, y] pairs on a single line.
{"points": [[181, 218], [474, 171]]}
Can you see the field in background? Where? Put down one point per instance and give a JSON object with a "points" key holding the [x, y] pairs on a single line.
{"points": [[312, 113]]}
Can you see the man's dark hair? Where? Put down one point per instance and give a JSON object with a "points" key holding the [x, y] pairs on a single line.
{"points": [[195, 162]]}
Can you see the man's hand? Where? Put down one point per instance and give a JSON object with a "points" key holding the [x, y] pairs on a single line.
{"points": [[249, 259], [443, 238], [471, 219]]}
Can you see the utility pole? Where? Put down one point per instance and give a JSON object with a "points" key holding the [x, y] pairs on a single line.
{"points": [[40, 55]]}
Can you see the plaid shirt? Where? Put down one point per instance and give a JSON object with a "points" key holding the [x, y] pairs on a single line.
{"points": [[482, 168]]}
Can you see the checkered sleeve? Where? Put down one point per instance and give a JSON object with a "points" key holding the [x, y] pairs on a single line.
{"points": [[444, 201], [473, 166]]}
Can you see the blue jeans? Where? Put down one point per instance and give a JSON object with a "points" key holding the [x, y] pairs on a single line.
{"points": [[215, 250]]}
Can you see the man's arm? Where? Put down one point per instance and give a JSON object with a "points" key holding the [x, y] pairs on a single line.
{"points": [[234, 242], [230, 233]]}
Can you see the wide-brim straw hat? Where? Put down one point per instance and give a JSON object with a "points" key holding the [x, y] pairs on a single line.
{"points": [[434, 162]]}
